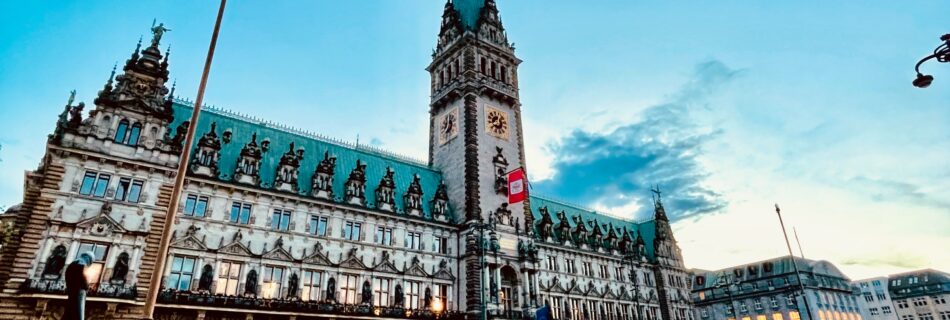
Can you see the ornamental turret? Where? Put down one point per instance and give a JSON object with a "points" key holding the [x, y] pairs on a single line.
{"points": [[206, 154], [323, 177], [384, 192], [412, 200], [248, 166], [285, 179]]}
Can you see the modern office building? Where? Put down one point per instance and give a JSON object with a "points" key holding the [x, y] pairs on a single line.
{"points": [[920, 295], [772, 290], [875, 300]]}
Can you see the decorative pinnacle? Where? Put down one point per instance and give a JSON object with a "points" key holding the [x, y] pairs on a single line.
{"points": [[171, 93], [112, 75]]}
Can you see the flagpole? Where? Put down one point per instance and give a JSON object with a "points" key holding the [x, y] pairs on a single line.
{"points": [[791, 256], [801, 251], [159, 270]]}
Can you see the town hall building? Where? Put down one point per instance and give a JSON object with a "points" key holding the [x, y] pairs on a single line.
{"points": [[280, 223]]}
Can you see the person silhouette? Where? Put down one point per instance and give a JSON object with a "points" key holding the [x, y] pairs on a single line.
{"points": [[76, 286]]}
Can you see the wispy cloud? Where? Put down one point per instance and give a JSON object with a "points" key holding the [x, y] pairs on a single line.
{"points": [[614, 169]]}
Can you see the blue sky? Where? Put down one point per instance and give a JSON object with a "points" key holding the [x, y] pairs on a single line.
{"points": [[730, 108]]}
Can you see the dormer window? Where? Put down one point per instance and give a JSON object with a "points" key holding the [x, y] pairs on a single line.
{"points": [[125, 134]]}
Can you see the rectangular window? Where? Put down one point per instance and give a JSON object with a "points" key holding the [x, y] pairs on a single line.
{"points": [[273, 278], [412, 294], [128, 190], [620, 273], [442, 295], [886, 309], [183, 270], [881, 296], [384, 236], [868, 297], [571, 268], [441, 245], [101, 185], [413, 240], [873, 311], [352, 230], [381, 296], [348, 288], [318, 225], [552, 264], [793, 315], [99, 252], [229, 274], [240, 213], [280, 220], [196, 205], [758, 306], [945, 315], [556, 307], [773, 302], [94, 184], [311, 285], [88, 182], [587, 269]]}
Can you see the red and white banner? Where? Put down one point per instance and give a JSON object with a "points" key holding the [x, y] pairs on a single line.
{"points": [[517, 186]]}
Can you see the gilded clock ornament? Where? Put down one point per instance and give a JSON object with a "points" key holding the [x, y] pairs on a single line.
{"points": [[496, 122], [448, 126]]}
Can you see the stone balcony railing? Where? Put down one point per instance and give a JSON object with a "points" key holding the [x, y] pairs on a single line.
{"points": [[58, 287], [174, 297]]}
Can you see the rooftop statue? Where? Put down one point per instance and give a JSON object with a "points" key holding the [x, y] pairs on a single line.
{"points": [[157, 32]]}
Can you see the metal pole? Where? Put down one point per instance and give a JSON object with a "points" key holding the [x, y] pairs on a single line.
{"points": [[791, 256], [159, 270], [801, 251]]}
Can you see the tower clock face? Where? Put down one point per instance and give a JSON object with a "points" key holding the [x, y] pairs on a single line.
{"points": [[448, 126], [496, 122]]}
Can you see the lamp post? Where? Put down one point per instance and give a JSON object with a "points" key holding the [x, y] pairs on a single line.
{"points": [[791, 257], [634, 264], [941, 53], [727, 283], [155, 283]]}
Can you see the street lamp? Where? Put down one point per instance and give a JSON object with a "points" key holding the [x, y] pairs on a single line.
{"points": [[634, 264], [941, 53]]}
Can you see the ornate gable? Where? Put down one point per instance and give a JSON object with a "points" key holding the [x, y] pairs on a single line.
{"points": [[101, 225], [416, 269], [236, 248], [353, 261], [279, 254], [386, 265], [443, 272], [317, 257], [576, 289], [190, 240]]}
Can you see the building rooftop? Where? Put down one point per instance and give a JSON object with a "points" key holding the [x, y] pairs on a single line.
{"points": [[242, 127]]}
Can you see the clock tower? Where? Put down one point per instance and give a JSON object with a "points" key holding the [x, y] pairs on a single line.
{"points": [[476, 138]]}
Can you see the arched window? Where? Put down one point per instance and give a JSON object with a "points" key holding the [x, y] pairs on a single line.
{"points": [[134, 134], [121, 131]]}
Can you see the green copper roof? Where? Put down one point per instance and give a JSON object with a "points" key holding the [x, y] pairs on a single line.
{"points": [[469, 11], [646, 229], [376, 161]]}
